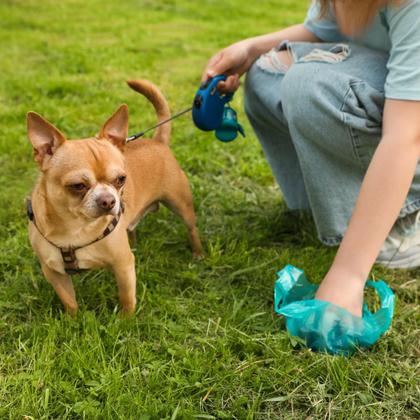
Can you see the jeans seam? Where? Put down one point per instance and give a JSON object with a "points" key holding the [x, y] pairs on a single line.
{"points": [[410, 208]]}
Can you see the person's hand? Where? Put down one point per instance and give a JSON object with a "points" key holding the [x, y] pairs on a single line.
{"points": [[342, 290], [233, 62]]}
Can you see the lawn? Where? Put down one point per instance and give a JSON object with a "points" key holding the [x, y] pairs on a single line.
{"points": [[204, 342]]}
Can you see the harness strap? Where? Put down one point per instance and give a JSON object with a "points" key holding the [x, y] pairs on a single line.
{"points": [[71, 265]]}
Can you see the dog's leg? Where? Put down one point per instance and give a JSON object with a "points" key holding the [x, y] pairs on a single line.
{"points": [[182, 205], [125, 273], [188, 215], [63, 286]]}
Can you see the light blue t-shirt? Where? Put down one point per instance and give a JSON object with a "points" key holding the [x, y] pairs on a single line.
{"points": [[396, 30]]}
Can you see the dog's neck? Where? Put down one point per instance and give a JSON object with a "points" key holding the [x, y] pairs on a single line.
{"points": [[59, 225]]}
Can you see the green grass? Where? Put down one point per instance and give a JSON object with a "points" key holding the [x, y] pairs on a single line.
{"points": [[204, 342]]}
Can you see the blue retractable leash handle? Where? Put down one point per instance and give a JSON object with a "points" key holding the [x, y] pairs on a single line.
{"points": [[324, 326], [211, 111]]}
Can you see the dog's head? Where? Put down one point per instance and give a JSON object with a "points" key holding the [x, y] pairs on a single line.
{"points": [[82, 177]]}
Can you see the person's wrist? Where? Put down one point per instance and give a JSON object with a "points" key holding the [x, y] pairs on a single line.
{"points": [[252, 48], [338, 271]]}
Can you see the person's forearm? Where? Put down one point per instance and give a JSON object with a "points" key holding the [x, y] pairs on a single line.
{"points": [[236, 59], [261, 44], [382, 195]]}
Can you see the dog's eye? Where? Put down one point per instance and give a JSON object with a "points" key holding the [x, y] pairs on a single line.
{"points": [[120, 181], [78, 187]]}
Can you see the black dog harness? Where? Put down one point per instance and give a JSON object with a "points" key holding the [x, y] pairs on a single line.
{"points": [[71, 265]]}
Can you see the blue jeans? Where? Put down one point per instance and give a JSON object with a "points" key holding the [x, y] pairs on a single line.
{"points": [[319, 123]]}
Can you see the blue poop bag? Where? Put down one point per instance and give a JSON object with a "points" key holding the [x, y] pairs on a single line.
{"points": [[324, 326]]}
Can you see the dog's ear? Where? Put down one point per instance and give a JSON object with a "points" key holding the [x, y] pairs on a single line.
{"points": [[45, 138], [116, 128]]}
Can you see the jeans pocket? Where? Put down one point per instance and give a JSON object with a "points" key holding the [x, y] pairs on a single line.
{"points": [[362, 113]]}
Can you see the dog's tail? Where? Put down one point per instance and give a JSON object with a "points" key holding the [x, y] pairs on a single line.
{"points": [[155, 96]]}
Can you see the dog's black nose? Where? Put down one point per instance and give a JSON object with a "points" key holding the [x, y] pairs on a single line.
{"points": [[106, 201]]}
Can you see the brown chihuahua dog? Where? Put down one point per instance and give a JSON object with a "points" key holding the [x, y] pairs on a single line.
{"points": [[92, 191]]}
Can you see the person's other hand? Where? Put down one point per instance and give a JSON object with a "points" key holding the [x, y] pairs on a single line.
{"points": [[344, 291]]}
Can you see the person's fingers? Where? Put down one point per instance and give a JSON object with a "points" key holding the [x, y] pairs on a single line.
{"points": [[208, 72], [231, 84], [221, 67], [237, 84], [221, 87], [222, 64]]}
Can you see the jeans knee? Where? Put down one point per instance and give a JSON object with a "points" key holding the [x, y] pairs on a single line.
{"points": [[263, 95], [311, 91]]}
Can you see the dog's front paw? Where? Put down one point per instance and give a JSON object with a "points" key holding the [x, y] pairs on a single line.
{"points": [[128, 310], [71, 310], [198, 254]]}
